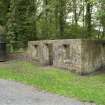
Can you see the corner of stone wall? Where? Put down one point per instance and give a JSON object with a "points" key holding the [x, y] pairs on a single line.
{"points": [[80, 69], [91, 56], [86, 56]]}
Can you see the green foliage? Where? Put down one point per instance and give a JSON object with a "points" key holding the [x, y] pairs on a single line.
{"points": [[20, 28], [4, 5], [26, 20], [74, 31]]}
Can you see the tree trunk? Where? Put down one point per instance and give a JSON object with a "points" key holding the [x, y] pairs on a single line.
{"points": [[46, 18], [88, 19], [56, 18], [75, 12], [103, 17], [34, 22], [61, 18]]}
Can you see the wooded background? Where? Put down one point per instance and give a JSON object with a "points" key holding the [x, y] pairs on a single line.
{"points": [[26, 20]]}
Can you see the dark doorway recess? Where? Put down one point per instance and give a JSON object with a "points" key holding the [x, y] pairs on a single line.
{"points": [[50, 53], [67, 51]]}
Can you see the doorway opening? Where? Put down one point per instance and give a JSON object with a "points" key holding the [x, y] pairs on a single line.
{"points": [[50, 53], [67, 51], [36, 48]]}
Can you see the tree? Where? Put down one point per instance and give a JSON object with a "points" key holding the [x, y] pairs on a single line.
{"points": [[88, 18], [62, 4], [21, 25], [4, 8], [27, 20], [102, 16]]}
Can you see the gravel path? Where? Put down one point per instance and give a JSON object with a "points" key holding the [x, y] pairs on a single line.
{"points": [[14, 93]]}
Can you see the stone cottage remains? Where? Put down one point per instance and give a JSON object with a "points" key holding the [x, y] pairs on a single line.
{"points": [[79, 55]]}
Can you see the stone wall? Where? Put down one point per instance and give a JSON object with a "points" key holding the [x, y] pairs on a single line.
{"points": [[93, 55], [34, 51], [39, 51], [67, 54], [82, 56]]}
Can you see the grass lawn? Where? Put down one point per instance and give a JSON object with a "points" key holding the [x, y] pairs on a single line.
{"points": [[85, 88]]}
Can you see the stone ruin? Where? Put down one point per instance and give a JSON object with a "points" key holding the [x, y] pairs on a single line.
{"points": [[78, 55]]}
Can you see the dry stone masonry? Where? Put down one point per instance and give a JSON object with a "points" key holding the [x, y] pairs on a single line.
{"points": [[78, 55]]}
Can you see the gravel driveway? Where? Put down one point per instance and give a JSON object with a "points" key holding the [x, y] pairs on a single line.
{"points": [[14, 93]]}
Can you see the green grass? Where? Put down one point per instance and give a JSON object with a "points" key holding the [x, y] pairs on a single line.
{"points": [[85, 88]]}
